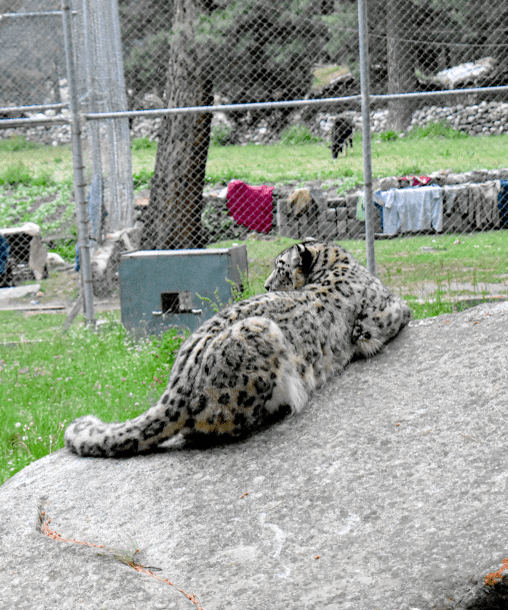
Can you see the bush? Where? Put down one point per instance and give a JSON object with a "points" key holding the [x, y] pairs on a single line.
{"points": [[16, 174], [439, 129], [143, 144], [142, 179], [387, 136], [17, 143], [222, 135], [296, 135], [20, 174], [66, 248]]}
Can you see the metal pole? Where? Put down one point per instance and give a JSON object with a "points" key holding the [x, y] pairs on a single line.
{"points": [[366, 135], [95, 145], [78, 166]]}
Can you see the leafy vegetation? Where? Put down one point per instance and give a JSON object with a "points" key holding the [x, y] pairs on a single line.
{"points": [[297, 135], [49, 205], [222, 135], [20, 174], [437, 129], [17, 143], [48, 379], [143, 144]]}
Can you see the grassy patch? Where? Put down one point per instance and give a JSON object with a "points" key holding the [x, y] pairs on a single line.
{"points": [[436, 129], [52, 161], [276, 163], [476, 259], [429, 309], [420, 268], [51, 206], [429, 149], [45, 385], [143, 144], [296, 135], [17, 143], [324, 74], [47, 379], [426, 154]]}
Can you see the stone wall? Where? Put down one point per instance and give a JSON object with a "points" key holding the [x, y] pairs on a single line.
{"points": [[331, 217], [486, 118]]}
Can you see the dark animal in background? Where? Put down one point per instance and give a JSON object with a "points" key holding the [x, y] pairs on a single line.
{"points": [[342, 135]]}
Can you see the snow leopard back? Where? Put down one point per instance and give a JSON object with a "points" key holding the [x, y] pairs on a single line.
{"points": [[261, 358]]}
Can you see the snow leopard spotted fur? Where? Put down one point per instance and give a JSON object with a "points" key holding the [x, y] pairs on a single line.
{"points": [[261, 358]]}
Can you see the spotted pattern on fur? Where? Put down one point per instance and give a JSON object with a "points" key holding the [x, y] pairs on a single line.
{"points": [[261, 358]]}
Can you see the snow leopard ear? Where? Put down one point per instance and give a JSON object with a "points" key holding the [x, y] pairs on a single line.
{"points": [[308, 255], [303, 258], [295, 257]]}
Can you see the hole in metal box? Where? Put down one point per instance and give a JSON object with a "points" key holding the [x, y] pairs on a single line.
{"points": [[176, 302]]}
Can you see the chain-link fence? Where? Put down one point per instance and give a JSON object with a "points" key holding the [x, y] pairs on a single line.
{"points": [[285, 151]]}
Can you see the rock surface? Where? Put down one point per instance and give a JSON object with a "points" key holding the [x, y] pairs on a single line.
{"points": [[388, 492]]}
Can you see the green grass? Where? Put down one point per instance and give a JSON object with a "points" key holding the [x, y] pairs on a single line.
{"points": [[407, 264], [421, 267], [47, 379], [48, 382], [17, 143], [52, 161], [435, 147], [22, 202]]}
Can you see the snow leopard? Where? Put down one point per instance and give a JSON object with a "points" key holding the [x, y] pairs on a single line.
{"points": [[260, 359]]}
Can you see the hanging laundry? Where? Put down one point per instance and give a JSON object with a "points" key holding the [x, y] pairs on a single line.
{"points": [[416, 180], [377, 201], [482, 205], [5, 249], [502, 202], [452, 195], [251, 206], [412, 209]]}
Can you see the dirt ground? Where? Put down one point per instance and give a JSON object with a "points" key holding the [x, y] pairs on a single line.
{"points": [[56, 294]]}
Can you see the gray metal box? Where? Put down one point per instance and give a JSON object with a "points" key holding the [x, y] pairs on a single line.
{"points": [[160, 288]]}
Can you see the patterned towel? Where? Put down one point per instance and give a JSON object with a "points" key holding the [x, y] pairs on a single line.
{"points": [[251, 206], [416, 180]]}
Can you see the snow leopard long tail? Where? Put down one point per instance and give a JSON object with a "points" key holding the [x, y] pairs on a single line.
{"points": [[223, 385]]}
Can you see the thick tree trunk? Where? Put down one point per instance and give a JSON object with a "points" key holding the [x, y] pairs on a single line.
{"points": [[401, 75], [174, 215]]}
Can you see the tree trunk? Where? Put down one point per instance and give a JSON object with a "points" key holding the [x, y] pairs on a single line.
{"points": [[401, 75], [174, 214]]}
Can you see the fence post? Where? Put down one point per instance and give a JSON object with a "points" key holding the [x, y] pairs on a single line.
{"points": [[78, 166], [366, 135]]}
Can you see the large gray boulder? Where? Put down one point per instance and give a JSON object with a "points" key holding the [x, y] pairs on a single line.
{"points": [[388, 492]]}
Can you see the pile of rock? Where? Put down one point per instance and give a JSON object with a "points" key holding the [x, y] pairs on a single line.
{"points": [[328, 215], [42, 134], [485, 118]]}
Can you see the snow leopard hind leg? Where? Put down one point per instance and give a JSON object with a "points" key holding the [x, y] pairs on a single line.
{"points": [[222, 387]]}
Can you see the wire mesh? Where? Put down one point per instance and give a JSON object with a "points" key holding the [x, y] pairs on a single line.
{"points": [[204, 178]]}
